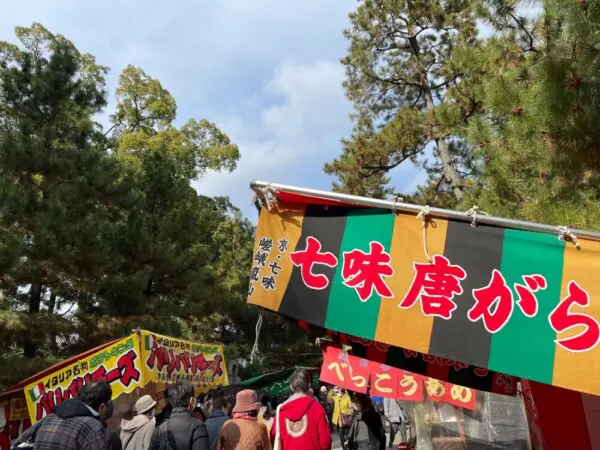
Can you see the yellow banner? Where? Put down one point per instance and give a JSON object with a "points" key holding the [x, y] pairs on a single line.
{"points": [[119, 364], [166, 360]]}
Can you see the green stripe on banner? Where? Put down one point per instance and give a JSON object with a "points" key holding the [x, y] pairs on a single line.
{"points": [[346, 313], [525, 346]]}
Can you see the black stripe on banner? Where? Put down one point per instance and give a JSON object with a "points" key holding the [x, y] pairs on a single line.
{"points": [[402, 359], [467, 377], [478, 251], [326, 224]]}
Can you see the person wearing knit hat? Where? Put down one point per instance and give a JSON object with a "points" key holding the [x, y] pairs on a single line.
{"points": [[137, 432], [244, 431]]}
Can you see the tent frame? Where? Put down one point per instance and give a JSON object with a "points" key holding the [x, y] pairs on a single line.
{"points": [[267, 188]]}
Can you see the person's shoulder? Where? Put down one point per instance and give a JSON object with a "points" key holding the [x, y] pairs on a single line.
{"points": [[87, 422]]}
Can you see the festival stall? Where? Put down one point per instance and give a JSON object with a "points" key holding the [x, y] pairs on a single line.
{"points": [[142, 363], [457, 309]]}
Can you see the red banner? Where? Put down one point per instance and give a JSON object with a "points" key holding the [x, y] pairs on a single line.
{"points": [[356, 374], [347, 371], [411, 386]]}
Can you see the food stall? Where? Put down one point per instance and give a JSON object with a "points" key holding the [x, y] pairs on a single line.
{"points": [[500, 307]]}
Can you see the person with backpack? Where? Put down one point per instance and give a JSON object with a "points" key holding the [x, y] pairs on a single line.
{"points": [[181, 431], [397, 418], [301, 422]]}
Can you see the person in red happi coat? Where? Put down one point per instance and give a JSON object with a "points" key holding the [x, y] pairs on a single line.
{"points": [[301, 422]]}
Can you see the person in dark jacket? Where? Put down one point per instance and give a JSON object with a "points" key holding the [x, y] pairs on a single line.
{"points": [[181, 431], [327, 404], [216, 420], [75, 424], [166, 411], [113, 441], [366, 432]]}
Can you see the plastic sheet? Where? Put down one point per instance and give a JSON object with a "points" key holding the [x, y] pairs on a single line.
{"points": [[498, 422]]}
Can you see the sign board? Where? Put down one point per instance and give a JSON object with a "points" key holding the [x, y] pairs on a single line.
{"points": [[167, 359], [118, 363], [513, 302], [356, 374]]}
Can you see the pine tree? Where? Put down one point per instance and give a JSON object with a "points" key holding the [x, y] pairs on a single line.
{"points": [[101, 231], [539, 137], [53, 173], [403, 82]]}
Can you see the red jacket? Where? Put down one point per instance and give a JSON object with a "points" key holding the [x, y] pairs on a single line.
{"points": [[303, 425]]}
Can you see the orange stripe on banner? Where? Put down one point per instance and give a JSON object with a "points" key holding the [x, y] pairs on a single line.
{"points": [[408, 328], [283, 227], [579, 370]]}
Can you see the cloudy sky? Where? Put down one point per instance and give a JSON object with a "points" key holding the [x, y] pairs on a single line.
{"points": [[266, 71]]}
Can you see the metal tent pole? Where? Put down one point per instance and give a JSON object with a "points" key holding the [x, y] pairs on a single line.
{"points": [[439, 212]]}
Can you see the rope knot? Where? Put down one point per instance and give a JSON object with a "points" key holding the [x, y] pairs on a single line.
{"points": [[266, 195], [423, 215], [425, 211], [566, 235], [395, 200], [473, 213]]}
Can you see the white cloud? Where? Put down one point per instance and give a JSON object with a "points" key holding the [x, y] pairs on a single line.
{"points": [[266, 72], [292, 138]]}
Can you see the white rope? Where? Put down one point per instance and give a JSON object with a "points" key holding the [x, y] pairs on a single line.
{"points": [[566, 235], [473, 213], [259, 322], [263, 194], [423, 215]]}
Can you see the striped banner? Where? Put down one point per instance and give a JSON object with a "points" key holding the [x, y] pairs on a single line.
{"points": [[513, 302]]}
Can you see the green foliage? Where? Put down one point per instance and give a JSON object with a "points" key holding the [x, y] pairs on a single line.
{"points": [[539, 135], [514, 114], [407, 90], [101, 231]]}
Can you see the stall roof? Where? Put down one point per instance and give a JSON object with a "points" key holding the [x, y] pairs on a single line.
{"points": [[299, 195], [269, 377], [21, 385]]}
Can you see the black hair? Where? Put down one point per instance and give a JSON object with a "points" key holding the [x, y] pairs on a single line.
{"points": [[300, 381], [95, 393], [265, 399], [180, 393], [363, 400], [219, 402], [108, 412]]}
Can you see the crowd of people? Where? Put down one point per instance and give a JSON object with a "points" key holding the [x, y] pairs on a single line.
{"points": [[303, 421]]}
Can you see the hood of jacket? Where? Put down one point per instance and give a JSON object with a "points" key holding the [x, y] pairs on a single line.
{"points": [[297, 406], [131, 426], [74, 408]]}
